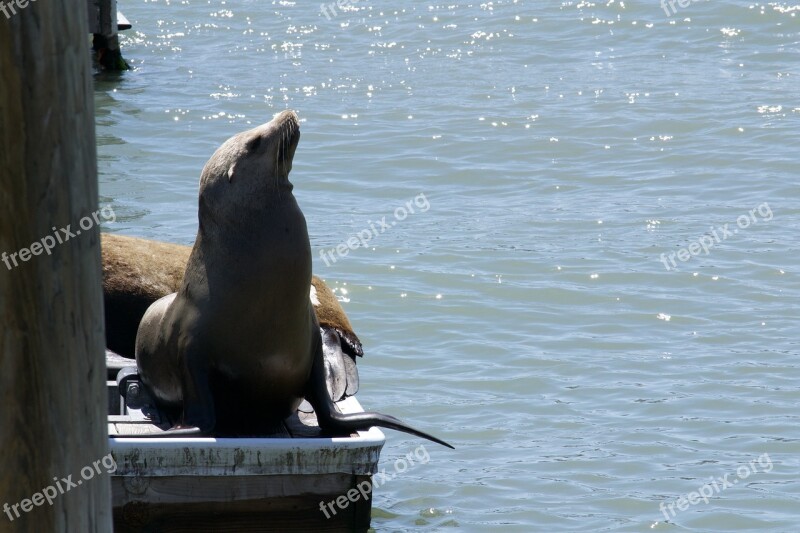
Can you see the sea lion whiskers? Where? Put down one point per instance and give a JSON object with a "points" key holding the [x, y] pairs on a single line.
{"points": [[289, 129]]}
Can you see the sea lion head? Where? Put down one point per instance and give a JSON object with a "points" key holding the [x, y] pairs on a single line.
{"points": [[253, 165]]}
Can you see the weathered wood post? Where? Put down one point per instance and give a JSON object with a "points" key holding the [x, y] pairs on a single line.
{"points": [[103, 26], [52, 374]]}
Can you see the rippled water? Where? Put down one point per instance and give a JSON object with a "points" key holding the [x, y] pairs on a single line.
{"points": [[526, 315]]}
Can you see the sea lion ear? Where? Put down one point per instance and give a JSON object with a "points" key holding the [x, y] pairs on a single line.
{"points": [[230, 172]]}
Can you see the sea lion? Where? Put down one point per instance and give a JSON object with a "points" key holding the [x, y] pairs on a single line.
{"points": [[137, 272], [238, 347]]}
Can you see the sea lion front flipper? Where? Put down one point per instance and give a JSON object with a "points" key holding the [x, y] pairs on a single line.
{"points": [[198, 418], [198, 402]]}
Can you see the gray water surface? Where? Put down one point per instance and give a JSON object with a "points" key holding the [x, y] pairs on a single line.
{"points": [[527, 314]]}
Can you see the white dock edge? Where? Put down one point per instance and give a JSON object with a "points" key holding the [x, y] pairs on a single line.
{"points": [[166, 457]]}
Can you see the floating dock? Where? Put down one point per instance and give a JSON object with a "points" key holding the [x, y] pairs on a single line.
{"points": [[275, 483]]}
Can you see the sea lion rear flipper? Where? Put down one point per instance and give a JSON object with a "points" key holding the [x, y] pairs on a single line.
{"points": [[351, 348], [352, 375], [350, 342], [341, 373], [332, 420], [335, 369]]}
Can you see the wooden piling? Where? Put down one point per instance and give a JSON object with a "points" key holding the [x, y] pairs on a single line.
{"points": [[52, 369], [104, 28]]}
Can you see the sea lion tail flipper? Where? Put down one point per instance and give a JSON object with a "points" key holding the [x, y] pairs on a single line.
{"points": [[357, 421], [332, 420]]}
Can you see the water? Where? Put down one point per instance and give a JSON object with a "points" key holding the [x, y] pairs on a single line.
{"points": [[526, 315]]}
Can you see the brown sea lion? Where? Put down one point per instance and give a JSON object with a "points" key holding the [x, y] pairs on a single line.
{"points": [[137, 272], [238, 347]]}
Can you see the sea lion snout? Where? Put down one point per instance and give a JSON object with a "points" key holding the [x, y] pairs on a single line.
{"points": [[251, 166], [277, 139], [287, 127]]}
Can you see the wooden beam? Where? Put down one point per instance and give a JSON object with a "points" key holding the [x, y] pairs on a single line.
{"points": [[52, 368]]}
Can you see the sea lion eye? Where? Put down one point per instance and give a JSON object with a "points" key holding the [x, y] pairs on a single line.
{"points": [[254, 144]]}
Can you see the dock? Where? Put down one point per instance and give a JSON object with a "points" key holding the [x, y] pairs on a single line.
{"points": [[279, 482]]}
